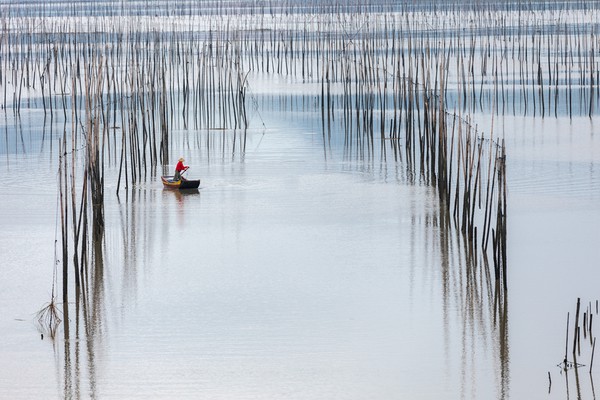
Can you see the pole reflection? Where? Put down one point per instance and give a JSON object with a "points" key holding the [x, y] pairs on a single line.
{"points": [[78, 373], [468, 285], [468, 279]]}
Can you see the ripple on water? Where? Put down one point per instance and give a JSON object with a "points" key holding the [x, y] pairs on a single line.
{"points": [[572, 179]]}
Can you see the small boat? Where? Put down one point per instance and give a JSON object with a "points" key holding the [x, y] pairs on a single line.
{"points": [[168, 182]]}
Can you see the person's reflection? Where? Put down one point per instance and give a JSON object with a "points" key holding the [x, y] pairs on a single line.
{"points": [[180, 199]]}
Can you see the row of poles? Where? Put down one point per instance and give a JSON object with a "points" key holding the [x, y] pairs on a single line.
{"points": [[505, 62], [402, 106], [508, 62]]}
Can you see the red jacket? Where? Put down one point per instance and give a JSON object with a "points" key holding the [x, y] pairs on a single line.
{"points": [[180, 167]]}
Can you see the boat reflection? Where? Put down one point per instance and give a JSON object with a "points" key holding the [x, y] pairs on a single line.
{"points": [[181, 194]]}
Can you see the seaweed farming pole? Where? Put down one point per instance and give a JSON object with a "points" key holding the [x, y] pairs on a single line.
{"points": [[576, 328], [73, 191], [566, 342], [592, 358], [500, 232], [63, 189], [96, 178]]}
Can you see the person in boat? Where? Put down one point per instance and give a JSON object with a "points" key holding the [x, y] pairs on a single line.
{"points": [[179, 169]]}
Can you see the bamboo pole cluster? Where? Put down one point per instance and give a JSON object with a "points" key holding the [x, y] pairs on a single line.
{"points": [[537, 59], [150, 81], [81, 219], [583, 324], [392, 102]]}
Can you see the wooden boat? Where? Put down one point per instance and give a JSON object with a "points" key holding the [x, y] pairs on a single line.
{"points": [[168, 182]]}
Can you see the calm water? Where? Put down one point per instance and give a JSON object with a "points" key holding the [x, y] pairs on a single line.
{"points": [[293, 275], [300, 271], [285, 276]]}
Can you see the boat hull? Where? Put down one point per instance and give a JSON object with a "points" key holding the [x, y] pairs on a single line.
{"points": [[181, 184]]}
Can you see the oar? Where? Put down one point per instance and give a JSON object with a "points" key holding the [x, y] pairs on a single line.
{"points": [[183, 172]]}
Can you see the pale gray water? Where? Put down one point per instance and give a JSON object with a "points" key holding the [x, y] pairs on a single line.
{"points": [[285, 276], [291, 276]]}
